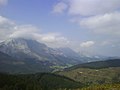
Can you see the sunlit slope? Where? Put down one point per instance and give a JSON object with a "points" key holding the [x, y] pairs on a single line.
{"points": [[108, 72]]}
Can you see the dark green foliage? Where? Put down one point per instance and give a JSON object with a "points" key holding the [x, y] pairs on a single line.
{"points": [[41, 81]]}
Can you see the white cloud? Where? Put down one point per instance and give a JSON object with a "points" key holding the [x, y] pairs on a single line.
{"points": [[103, 16], [103, 24], [93, 7], [8, 29], [49, 37], [87, 44], [59, 7], [52, 39], [5, 21], [90, 7], [31, 32], [24, 31], [3, 2]]}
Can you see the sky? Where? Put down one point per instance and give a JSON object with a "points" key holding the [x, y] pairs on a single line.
{"points": [[91, 27]]}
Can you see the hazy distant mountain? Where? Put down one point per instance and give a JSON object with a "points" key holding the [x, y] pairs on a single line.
{"points": [[92, 58], [98, 64], [68, 52]]}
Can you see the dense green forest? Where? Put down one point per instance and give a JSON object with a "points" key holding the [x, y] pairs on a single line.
{"points": [[41, 81], [47, 81]]}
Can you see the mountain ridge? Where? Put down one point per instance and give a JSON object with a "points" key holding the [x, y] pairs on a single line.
{"points": [[33, 52], [98, 64]]}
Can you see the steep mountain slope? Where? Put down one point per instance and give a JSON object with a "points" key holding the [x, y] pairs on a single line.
{"points": [[37, 55], [22, 48], [8, 63], [4, 58], [95, 72], [68, 52], [12, 65]]}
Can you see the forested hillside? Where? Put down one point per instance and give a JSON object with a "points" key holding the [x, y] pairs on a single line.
{"points": [[41, 81]]}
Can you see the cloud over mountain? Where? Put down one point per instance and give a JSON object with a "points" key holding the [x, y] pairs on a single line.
{"points": [[9, 29], [87, 44]]}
